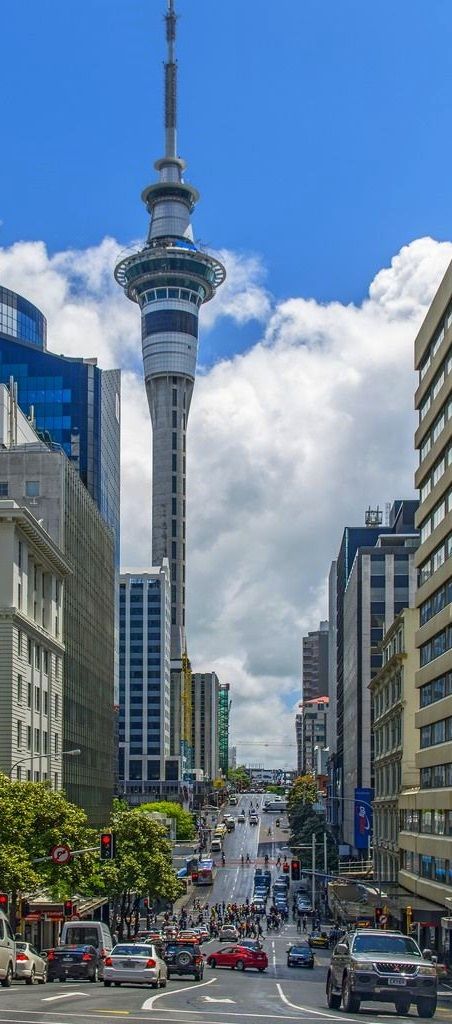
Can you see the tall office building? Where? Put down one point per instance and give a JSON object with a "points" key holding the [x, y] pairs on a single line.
{"points": [[205, 711], [332, 658], [146, 770], [425, 839], [170, 278], [359, 629], [314, 681], [40, 478], [224, 709], [312, 729]]}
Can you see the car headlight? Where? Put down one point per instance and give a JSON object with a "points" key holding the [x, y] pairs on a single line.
{"points": [[430, 971]]}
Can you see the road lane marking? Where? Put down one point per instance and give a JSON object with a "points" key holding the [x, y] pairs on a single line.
{"points": [[313, 1011], [211, 999], [149, 1003], [64, 995]]}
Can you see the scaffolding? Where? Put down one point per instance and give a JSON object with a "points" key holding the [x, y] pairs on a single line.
{"points": [[224, 707]]}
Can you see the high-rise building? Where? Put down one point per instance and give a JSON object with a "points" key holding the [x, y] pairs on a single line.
{"points": [[313, 729], [146, 769], [314, 682], [73, 402], [299, 741], [170, 278], [224, 708], [41, 478], [31, 648], [332, 658], [205, 693], [382, 585], [425, 838]]}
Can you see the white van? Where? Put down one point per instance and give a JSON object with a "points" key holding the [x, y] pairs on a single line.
{"points": [[216, 845], [91, 933], [7, 952]]}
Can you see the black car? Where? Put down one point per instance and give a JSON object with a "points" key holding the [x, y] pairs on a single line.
{"points": [[69, 962], [183, 958], [300, 956]]}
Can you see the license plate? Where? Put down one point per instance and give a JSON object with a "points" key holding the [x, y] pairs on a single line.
{"points": [[129, 964], [397, 981], [67, 959]]}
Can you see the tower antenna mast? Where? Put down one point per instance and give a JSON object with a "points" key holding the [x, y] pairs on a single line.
{"points": [[170, 82]]}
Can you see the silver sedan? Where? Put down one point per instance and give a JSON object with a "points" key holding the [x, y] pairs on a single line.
{"points": [[134, 964], [30, 965]]}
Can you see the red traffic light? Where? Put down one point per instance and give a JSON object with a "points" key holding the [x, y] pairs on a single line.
{"points": [[295, 869], [4, 902], [107, 845], [68, 908], [145, 902]]}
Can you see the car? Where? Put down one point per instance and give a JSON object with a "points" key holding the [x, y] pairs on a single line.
{"points": [[233, 800], [254, 819], [239, 957], [134, 964], [304, 907], [184, 957], [88, 933], [320, 940], [202, 933], [381, 966], [300, 956], [68, 962], [241, 819], [30, 965], [282, 880], [188, 934], [149, 935], [255, 944], [228, 933]]}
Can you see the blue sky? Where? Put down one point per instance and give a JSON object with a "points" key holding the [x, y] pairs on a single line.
{"points": [[317, 133]]}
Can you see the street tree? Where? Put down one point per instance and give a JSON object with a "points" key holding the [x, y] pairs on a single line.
{"points": [[185, 829]]}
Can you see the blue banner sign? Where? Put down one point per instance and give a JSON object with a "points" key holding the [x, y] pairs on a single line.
{"points": [[363, 818]]}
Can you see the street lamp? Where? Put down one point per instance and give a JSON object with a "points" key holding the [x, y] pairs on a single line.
{"points": [[30, 757]]}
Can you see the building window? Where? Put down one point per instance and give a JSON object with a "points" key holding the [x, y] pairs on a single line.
{"points": [[29, 650], [37, 656], [57, 705], [55, 780], [28, 737], [19, 643], [37, 699], [45, 743], [4, 489], [46, 702], [19, 595], [56, 743], [32, 488], [19, 734], [46, 662], [19, 689], [37, 741], [29, 695]]}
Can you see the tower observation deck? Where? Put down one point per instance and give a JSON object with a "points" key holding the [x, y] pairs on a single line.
{"points": [[170, 278]]}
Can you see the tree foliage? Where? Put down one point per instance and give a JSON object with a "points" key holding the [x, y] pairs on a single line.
{"points": [[305, 822], [303, 790], [239, 778], [185, 829]]}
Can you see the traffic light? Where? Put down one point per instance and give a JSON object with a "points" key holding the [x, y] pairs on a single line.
{"points": [[146, 902], [107, 845], [4, 902], [68, 908], [295, 867]]}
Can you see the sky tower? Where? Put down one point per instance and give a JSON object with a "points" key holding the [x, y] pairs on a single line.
{"points": [[170, 278]]}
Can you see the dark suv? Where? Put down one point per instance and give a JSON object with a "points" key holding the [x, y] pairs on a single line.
{"points": [[381, 966], [184, 958]]}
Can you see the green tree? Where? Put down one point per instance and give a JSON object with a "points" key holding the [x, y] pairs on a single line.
{"points": [[239, 778], [33, 819], [313, 823], [185, 829], [142, 867], [303, 790]]}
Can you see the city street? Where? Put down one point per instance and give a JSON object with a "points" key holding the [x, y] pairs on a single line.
{"points": [[281, 994]]}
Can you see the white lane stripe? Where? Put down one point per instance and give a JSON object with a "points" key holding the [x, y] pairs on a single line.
{"points": [[64, 995], [149, 1003], [313, 1010]]}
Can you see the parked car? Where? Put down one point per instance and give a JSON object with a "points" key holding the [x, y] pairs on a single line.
{"points": [[68, 962], [228, 933], [184, 958], [134, 964], [239, 957], [381, 966], [300, 956], [30, 965], [7, 952]]}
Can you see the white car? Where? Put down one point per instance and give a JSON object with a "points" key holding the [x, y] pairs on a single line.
{"points": [[241, 819], [228, 933], [135, 964], [30, 965]]}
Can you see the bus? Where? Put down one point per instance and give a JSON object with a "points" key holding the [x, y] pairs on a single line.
{"points": [[205, 874]]}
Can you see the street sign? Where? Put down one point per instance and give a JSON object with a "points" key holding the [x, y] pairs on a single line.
{"points": [[61, 854]]}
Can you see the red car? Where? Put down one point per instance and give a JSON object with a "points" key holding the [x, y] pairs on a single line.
{"points": [[238, 957]]}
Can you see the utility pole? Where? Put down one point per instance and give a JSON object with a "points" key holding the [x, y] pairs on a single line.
{"points": [[325, 855], [313, 872]]}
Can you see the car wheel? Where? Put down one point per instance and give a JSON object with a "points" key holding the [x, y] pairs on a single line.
{"points": [[213, 963], [333, 1000], [8, 979], [31, 979], [94, 977], [162, 982], [402, 1007], [240, 966], [50, 981], [117, 984], [62, 981], [107, 984], [155, 984], [43, 978], [351, 1001], [426, 1007]]}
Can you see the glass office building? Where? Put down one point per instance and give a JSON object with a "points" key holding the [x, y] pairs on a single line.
{"points": [[73, 402]]}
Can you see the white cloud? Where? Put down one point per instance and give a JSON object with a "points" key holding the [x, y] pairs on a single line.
{"points": [[287, 444]]}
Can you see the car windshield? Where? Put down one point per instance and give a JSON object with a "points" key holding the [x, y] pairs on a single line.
{"points": [[386, 944], [132, 950], [300, 949]]}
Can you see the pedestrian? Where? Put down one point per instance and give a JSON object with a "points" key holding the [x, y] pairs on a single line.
{"points": [[298, 923], [305, 923]]}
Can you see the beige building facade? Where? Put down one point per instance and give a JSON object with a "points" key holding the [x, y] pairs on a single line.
{"points": [[393, 697], [31, 648], [426, 812]]}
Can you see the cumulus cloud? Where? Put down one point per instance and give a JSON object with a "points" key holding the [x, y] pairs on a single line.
{"points": [[287, 443]]}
